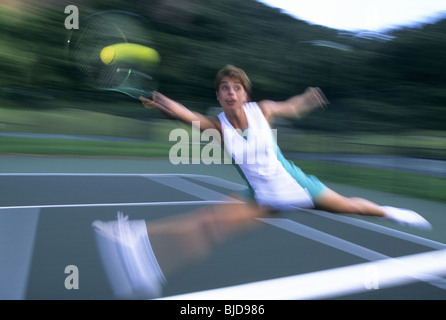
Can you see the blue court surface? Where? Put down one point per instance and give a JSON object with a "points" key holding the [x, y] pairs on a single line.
{"points": [[48, 251]]}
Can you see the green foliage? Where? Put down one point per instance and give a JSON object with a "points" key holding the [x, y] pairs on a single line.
{"points": [[398, 80]]}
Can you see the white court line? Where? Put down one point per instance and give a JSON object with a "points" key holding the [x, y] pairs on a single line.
{"points": [[380, 229], [352, 221], [191, 188], [179, 184], [324, 238], [216, 180], [80, 205], [334, 282]]}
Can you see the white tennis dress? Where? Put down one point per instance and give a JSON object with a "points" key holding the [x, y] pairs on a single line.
{"points": [[255, 152]]}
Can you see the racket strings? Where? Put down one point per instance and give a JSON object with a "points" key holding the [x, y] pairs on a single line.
{"points": [[95, 36], [102, 30]]}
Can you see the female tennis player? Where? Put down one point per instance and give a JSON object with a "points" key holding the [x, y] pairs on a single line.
{"points": [[275, 184]]}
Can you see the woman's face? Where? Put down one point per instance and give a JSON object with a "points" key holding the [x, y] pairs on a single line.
{"points": [[231, 94]]}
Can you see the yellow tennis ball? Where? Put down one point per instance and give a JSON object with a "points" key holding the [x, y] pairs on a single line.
{"points": [[107, 55], [130, 53]]}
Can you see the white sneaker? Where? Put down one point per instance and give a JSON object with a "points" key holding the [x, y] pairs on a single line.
{"points": [[128, 258], [406, 217]]}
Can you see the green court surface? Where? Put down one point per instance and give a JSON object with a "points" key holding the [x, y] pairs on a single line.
{"points": [[48, 205]]}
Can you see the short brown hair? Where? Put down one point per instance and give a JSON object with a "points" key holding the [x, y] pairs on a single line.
{"points": [[233, 73]]}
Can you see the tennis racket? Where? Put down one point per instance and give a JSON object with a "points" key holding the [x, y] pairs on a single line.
{"points": [[133, 73]]}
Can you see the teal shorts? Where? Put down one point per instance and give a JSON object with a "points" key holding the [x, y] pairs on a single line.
{"points": [[313, 185], [309, 182]]}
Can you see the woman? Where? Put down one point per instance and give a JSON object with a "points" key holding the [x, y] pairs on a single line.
{"points": [[282, 184], [136, 265]]}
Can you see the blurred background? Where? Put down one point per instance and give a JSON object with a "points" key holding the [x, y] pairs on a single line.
{"points": [[387, 90]]}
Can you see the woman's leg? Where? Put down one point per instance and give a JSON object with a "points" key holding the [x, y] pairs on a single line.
{"points": [[137, 254], [333, 202], [187, 238]]}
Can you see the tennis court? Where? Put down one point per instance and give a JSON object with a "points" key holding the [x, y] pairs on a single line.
{"points": [[48, 204]]}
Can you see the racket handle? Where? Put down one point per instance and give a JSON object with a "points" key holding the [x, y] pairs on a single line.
{"points": [[149, 95]]}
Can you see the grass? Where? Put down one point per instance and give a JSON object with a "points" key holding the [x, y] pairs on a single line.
{"points": [[72, 122], [428, 144]]}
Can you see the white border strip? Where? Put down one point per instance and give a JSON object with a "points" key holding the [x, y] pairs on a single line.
{"points": [[334, 282]]}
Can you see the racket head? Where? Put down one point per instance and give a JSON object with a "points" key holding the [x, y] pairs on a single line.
{"points": [[105, 28]]}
